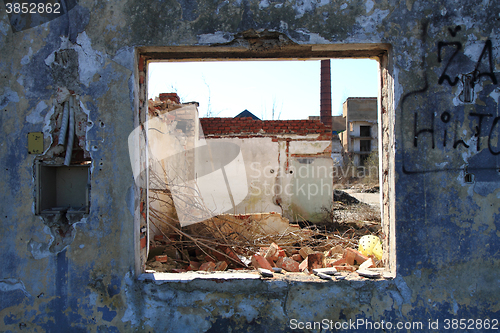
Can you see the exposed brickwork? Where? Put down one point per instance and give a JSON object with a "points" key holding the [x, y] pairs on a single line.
{"points": [[215, 127]]}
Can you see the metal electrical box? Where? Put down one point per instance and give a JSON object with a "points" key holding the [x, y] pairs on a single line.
{"points": [[62, 188]]}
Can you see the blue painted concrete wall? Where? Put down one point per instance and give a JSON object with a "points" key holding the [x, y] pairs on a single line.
{"points": [[441, 123]]}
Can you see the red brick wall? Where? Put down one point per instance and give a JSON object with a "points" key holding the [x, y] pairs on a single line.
{"points": [[251, 127]]}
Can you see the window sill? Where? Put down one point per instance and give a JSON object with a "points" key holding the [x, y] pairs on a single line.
{"points": [[160, 278]]}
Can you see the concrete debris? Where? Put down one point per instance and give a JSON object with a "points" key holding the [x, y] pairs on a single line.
{"points": [[265, 272], [302, 250], [326, 270], [368, 273], [324, 276]]}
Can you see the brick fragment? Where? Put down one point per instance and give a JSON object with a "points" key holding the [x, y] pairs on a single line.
{"points": [[162, 258], [178, 270], [297, 257], [290, 265], [349, 257], [280, 262], [303, 265], [345, 268], [232, 255], [316, 260], [208, 266], [339, 262], [335, 250], [305, 251], [272, 252], [259, 261], [221, 266], [194, 265], [271, 262], [355, 256]]}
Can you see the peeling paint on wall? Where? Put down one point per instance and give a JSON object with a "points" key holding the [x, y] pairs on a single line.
{"points": [[444, 224]]}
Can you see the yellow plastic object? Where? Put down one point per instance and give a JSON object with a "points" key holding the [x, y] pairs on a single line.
{"points": [[370, 245]]}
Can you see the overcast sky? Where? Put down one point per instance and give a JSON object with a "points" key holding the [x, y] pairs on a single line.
{"points": [[291, 88]]}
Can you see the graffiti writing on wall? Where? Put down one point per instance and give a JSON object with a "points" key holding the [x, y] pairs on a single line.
{"points": [[469, 79], [458, 114], [456, 142]]}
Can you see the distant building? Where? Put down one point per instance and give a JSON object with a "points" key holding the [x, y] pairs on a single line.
{"points": [[361, 128], [246, 114], [286, 161]]}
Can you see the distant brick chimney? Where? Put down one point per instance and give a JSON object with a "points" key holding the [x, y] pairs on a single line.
{"points": [[171, 96], [326, 94]]}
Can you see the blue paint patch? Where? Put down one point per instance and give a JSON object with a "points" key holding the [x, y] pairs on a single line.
{"points": [[107, 314], [114, 287], [8, 97], [11, 299], [189, 9], [107, 329], [10, 320]]}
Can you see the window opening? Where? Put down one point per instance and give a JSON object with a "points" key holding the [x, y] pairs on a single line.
{"points": [[365, 145], [287, 164], [62, 171], [364, 131]]}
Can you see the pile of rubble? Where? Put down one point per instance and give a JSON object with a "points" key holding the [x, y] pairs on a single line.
{"points": [[290, 249]]}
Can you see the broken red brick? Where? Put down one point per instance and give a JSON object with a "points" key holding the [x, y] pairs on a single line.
{"points": [[349, 257], [354, 256], [162, 258], [289, 265], [345, 268], [271, 262], [259, 261], [272, 252], [209, 258], [280, 262], [297, 257], [338, 262], [194, 265], [303, 265], [143, 242], [208, 266], [305, 251], [316, 260], [221, 266], [335, 250]]}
